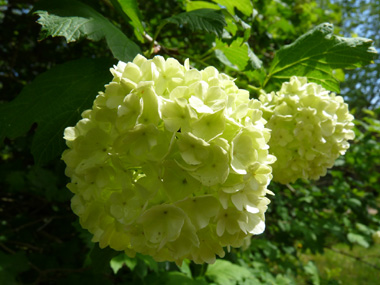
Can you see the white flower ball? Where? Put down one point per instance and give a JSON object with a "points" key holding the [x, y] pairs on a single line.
{"points": [[310, 129], [171, 162]]}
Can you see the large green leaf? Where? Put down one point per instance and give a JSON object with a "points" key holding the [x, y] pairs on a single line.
{"points": [[74, 20], [54, 100], [316, 54], [244, 6], [209, 20]]}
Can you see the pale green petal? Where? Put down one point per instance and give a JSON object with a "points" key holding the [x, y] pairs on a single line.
{"points": [[215, 170], [200, 209], [193, 150], [177, 183], [199, 106], [162, 223], [209, 126], [150, 113]]}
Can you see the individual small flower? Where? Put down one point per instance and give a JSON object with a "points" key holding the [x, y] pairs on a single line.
{"points": [[310, 128], [171, 162]]}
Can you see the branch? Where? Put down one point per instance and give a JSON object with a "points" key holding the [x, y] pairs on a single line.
{"points": [[354, 257]]}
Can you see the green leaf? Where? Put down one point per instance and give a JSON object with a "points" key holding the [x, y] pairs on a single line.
{"points": [[175, 278], [224, 272], [239, 55], [258, 76], [195, 5], [354, 203], [244, 6], [119, 260], [11, 265], [316, 54], [312, 270], [358, 239], [54, 100], [363, 228], [74, 20], [131, 9], [185, 268], [208, 20], [149, 261]]}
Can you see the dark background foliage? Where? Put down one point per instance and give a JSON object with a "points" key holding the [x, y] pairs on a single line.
{"points": [[41, 241]]}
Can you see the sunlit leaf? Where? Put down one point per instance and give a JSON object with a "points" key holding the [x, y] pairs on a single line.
{"points": [[358, 239], [131, 9], [239, 55], [195, 5], [316, 54], [244, 6], [74, 20], [208, 20]]}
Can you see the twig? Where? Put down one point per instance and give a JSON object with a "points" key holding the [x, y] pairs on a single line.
{"points": [[254, 88], [354, 257], [50, 236], [24, 244], [291, 188], [7, 249]]}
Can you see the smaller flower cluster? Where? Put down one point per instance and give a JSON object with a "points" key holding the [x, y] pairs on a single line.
{"points": [[171, 162], [310, 128]]}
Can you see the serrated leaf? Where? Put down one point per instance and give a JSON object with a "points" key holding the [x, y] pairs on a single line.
{"points": [[54, 100], [358, 239], [316, 54], [208, 20], [239, 54], [244, 6], [74, 20], [225, 272]]}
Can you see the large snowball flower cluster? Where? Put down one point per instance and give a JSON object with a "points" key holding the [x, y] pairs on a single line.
{"points": [[170, 161], [310, 128]]}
